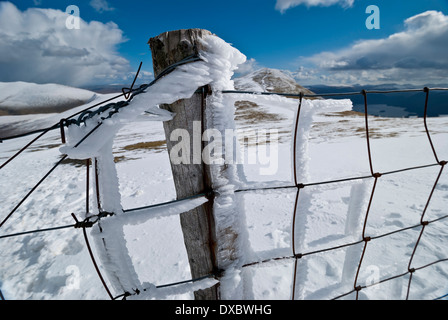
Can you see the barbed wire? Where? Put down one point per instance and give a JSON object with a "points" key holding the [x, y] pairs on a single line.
{"points": [[94, 219], [87, 113]]}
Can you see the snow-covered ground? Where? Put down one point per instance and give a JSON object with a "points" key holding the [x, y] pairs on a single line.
{"points": [[56, 264]]}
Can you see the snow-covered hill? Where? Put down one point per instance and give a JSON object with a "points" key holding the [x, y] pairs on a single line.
{"points": [[263, 113], [270, 80], [18, 98], [56, 265], [29, 106]]}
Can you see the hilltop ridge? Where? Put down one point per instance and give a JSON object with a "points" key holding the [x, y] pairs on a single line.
{"points": [[269, 80]]}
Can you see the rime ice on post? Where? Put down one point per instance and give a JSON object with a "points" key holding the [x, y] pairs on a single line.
{"points": [[219, 60], [223, 241], [230, 222], [214, 234]]}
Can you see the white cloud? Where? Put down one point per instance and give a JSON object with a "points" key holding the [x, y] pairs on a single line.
{"points": [[283, 5], [36, 46], [415, 55], [101, 5]]}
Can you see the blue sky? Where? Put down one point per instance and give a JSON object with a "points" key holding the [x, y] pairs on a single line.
{"points": [[316, 43]]}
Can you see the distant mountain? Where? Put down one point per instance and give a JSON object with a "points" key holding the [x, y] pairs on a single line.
{"points": [[400, 104], [19, 98], [269, 80]]}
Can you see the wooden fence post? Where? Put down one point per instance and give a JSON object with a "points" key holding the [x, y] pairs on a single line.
{"points": [[189, 179]]}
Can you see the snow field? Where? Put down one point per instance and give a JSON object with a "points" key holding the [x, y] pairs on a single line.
{"points": [[38, 266]]}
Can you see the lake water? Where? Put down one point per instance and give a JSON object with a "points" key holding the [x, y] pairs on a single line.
{"points": [[401, 104]]}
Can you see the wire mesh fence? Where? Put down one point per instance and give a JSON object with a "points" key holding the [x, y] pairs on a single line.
{"points": [[365, 240]]}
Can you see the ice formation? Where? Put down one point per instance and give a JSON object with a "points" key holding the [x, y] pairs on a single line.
{"points": [[219, 62]]}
